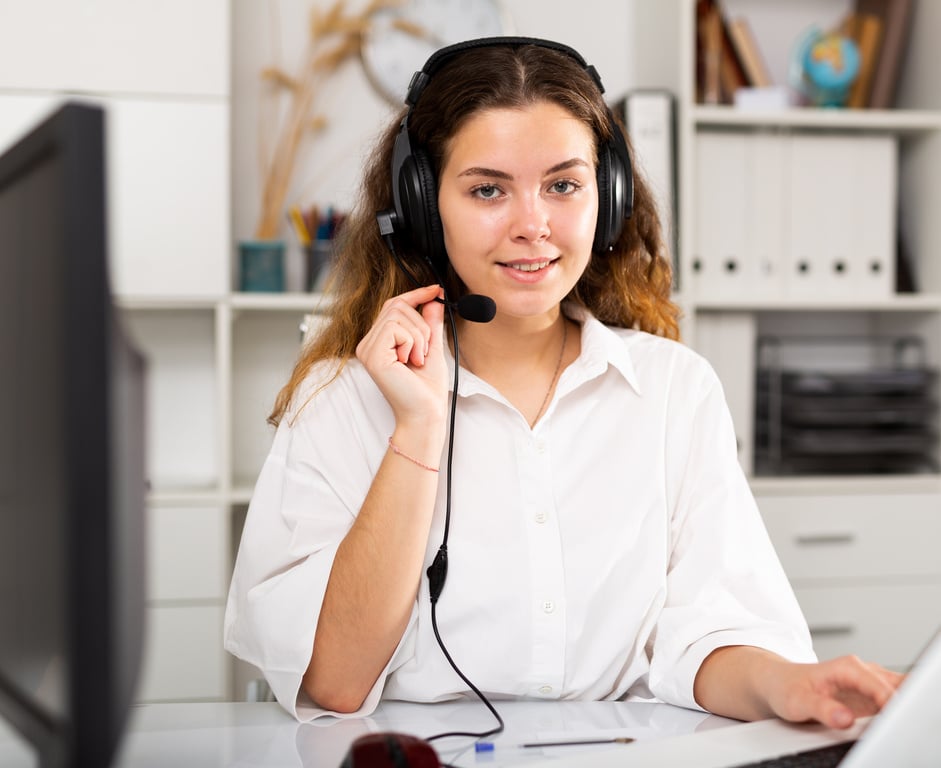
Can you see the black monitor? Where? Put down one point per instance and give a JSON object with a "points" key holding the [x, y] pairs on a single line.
{"points": [[72, 483]]}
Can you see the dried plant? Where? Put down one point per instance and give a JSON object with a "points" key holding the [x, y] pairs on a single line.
{"points": [[335, 36]]}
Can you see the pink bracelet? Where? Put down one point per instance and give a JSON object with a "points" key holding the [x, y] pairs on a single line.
{"points": [[398, 451]]}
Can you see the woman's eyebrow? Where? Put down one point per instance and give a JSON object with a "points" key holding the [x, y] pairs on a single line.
{"points": [[495, 174]]}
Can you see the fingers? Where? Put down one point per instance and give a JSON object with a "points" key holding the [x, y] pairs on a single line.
{"points": [[400, 333], [843, 689]]}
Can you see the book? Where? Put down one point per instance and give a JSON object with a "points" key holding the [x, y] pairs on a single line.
{"points": [[896, 17], [743, 39], [867, 32], [719, 70], [709, 52]]}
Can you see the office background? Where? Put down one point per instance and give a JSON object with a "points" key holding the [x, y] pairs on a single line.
{"points": [[187, 115]]}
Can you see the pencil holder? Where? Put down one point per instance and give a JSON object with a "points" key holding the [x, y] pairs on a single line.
{"points": [[318, 262], [261, 265]]}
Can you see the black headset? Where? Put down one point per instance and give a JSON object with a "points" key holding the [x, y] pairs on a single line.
{"points": [[414, 181]]}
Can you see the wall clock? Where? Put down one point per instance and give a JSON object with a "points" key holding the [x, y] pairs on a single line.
{"points": [[401, 37]]}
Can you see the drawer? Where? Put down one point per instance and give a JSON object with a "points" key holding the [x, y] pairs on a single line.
{"points": [[888, 624], [187, 553], [183, 655], [851, 537]]}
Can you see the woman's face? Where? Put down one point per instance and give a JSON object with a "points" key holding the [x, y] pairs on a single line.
{"points": [[518, 200]]}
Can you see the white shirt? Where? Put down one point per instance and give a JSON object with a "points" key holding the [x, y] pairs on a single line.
{"points": [[603, 554]]}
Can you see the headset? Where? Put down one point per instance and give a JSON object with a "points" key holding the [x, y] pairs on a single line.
{"points": [[414, 181]]}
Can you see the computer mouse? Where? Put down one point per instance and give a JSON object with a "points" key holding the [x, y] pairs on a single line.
{"points": [[390, 750]]}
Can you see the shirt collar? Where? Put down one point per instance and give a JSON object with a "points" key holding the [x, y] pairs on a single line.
{"points": [[602, 347]]}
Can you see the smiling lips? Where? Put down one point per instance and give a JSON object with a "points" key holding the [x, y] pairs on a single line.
{"points": [[532, 266]]}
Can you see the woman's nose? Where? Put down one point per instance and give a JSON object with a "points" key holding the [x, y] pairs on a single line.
{"points": [[531, 219]]}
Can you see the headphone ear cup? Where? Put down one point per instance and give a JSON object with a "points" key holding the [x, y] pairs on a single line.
{"points": [[430, 241], [615, 197]]}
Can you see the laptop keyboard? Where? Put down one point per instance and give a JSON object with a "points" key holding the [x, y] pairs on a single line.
{"points": [[824, 757]]}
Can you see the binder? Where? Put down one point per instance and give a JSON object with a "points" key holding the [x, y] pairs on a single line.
{"points": [[739, 221], [841, 217], [649, 116]]}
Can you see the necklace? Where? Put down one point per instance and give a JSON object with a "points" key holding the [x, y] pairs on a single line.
{"points": [[558, 367]]}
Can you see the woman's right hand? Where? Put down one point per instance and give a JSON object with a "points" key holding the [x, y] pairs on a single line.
{"points": [[404, 354]]}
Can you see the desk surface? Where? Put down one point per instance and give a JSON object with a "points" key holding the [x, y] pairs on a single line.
{"points": [[239, 735]]}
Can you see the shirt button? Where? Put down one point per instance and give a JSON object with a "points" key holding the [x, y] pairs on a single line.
{"points": [[540, 446], [540, 517], [545, 690], [548, 606]]}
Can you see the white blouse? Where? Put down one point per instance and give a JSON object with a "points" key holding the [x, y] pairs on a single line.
{"points": [[601, 555]]}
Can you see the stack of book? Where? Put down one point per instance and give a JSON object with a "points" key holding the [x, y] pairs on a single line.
{"points": [[729, 59]]}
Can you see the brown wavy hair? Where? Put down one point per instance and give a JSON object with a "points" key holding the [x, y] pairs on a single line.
{"points": [[627, 287]]}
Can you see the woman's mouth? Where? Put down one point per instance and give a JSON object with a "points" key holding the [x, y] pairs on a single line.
{"points": [[531, 266]]}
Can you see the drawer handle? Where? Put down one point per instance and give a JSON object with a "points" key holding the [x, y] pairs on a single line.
{"points": [[817, 539], [832, 630]]}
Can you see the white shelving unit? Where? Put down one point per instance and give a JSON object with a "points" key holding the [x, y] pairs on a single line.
{"points": [[217, 357], [851, 545]]}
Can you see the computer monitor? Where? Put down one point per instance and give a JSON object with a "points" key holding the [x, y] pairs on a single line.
{"points": [[72, 482]]}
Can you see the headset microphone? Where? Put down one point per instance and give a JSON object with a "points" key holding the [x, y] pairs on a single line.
{"points": [[472, 306]]}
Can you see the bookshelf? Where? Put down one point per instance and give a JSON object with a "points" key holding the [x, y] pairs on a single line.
{"points": [[849, 542]]}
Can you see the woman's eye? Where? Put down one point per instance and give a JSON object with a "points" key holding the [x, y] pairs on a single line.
{"points": [[486, 191], [563, 187]]}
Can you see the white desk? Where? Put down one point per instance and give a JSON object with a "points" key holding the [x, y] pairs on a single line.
{"points": [[238, 735]]}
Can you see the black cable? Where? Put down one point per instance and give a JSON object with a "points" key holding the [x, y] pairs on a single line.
{"points": [[438, 570]]}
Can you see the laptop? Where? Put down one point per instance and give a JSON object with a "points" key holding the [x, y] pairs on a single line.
{"points": [[905, 734]]}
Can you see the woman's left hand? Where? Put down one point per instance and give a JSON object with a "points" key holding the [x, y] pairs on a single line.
{"points": [[833, 692]]}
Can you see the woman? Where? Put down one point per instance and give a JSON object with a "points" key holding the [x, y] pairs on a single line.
{"points": [[604, 543]]}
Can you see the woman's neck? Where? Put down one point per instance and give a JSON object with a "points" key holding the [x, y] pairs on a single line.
{"points": [[522, 358]]}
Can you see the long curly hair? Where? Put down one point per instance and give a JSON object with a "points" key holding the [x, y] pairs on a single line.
{"points": [[627, 286]]}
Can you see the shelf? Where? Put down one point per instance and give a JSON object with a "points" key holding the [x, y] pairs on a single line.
{"points": [[891, 120], [915, 302], [845, 485], [287, 302], [139, 303], [184, 497]]}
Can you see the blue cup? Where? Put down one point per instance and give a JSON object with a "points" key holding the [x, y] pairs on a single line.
{"points": [[261, 265]]}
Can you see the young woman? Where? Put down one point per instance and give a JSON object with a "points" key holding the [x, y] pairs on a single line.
{"points": [[602, 540]]}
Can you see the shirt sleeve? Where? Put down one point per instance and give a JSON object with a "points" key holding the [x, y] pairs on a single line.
{"points": [[308, 493], [725, 584]]}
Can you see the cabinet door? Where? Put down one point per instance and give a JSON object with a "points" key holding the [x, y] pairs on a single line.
{"points": [[183, 655], [168, 187], [852, 538], [888, 624], [118, 46], [188, 552]]}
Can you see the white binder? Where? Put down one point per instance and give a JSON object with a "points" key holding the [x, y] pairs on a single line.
{"points": [[841, 217], [740, 215], [649, 119]]}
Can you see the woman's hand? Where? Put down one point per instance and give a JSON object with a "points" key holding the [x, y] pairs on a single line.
{"points": [[404, 354], [750, 683], [833, 692]]}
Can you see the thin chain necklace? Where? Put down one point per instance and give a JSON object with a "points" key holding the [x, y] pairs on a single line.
{"points": [[558, 367]]}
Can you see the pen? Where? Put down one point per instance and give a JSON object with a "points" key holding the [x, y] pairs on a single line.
{"points": [[488, 746], [300, 226]]}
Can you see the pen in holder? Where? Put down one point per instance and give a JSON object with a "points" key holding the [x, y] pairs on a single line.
{"points": [[319, 259]]}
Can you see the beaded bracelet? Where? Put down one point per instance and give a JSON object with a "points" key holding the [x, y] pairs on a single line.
{"points": [[404, 455]]}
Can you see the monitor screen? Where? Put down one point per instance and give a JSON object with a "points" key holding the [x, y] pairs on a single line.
{"points": [[72, 486]]}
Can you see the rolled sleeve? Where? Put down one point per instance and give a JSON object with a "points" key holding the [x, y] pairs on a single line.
{"points": [[725, 584], [306, 499]]}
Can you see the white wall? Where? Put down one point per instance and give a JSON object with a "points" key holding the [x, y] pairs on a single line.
{"points": [[632, 43]]}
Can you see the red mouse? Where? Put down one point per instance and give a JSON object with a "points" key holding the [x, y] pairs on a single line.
{"points": [[390, 750]]}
